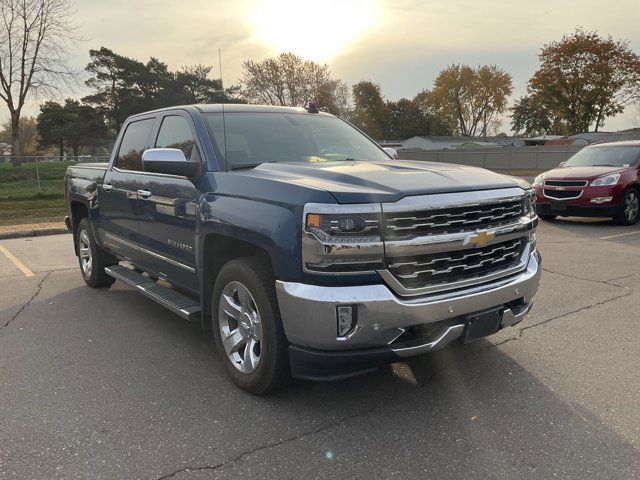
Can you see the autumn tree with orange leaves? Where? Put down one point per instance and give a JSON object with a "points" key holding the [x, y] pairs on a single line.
{"points": [[468, 99], [585, 78]]}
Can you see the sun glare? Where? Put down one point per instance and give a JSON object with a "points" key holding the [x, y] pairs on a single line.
{"points": [[314, 29]]}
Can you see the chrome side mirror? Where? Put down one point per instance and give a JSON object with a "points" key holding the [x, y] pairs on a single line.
{"points": [[392, 152], [170, 161]]}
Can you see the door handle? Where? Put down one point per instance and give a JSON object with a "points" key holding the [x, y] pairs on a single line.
{"points": [[144, 193], [107, 187]]}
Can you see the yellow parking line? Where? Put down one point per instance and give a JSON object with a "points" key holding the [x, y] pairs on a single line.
{"points": [[619, 235], [23, 268]]}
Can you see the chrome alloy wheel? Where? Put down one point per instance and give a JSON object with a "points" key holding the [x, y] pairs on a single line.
{"points": [[631, 206], [84, 250], [240, 327]]}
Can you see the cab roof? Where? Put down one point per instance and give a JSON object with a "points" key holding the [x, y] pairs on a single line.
{"points": [[231, 108], [246, 108]]}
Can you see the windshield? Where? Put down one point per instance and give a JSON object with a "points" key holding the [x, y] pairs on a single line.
{"points": [[604, 156], [255, 138]]}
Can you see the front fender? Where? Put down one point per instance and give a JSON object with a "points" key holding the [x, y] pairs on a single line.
{"points": [[273, 227]]}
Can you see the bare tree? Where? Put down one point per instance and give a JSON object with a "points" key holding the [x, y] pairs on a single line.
{"points": [[288, 80], [35, 36]]}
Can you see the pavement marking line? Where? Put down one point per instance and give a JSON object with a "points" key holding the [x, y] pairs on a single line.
{"points": [[620, 235], [23, 268]]}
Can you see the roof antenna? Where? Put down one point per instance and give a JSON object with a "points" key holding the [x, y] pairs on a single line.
{"points": [[224, 122], [312, 108]]}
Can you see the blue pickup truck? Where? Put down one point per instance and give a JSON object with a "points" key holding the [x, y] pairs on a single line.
{"points": [[302, 246]]}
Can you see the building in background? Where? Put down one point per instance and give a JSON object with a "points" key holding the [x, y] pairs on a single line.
{"points": [[448, 143]]}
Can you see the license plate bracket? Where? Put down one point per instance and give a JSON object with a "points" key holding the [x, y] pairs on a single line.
{"points": [[482, 324], [559, 207]]}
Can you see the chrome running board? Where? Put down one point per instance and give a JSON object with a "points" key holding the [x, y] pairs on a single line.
{"points": [[179, 304]]}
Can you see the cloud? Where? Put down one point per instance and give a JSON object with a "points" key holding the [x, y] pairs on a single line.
{"points": [[409, 43]]}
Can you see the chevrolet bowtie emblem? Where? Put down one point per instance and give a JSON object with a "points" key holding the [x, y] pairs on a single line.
{"points": [[480, 238]]}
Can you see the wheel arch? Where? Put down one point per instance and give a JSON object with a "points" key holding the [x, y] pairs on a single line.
{"points": [[77, 210], [217, 250]]}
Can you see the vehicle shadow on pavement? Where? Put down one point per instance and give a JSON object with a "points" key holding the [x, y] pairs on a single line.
{"points": [[97, 371]]}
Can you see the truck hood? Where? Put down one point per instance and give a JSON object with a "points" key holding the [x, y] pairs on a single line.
{"points": [[580, 173], [361, 182]]}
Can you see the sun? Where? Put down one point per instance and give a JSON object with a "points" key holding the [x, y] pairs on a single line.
{"points": [[313, 29]]}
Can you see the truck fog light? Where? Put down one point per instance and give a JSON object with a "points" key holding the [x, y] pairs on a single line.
{"points": [[601, 199], [347, 319]]}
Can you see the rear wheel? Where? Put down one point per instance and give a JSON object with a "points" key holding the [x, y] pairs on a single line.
{"points": [[547, 217], [247, 327], [629, 209], [92, 258]]}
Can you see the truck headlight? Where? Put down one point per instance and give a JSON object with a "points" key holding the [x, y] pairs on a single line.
{"points": [[606, 180], [538, 180], [341, 239]]}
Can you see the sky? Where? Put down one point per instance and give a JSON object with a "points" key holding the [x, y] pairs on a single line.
{"points": [[400, 44]]}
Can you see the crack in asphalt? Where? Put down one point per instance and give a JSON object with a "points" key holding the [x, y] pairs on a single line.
{"points": [[21, 275], [588, 307], [28, 302], [621, 278], [283, 441], [605, 282], [627, 292]]}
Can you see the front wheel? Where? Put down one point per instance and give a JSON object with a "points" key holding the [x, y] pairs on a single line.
{"points": [[629, 209], [92, 258], [247, 327]]}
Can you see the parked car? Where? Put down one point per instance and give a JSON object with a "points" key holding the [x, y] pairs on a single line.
{"points": [[601, 180], [299, 243]]}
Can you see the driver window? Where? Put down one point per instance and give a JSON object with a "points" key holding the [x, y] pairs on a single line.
{"points": [[175, 133]]}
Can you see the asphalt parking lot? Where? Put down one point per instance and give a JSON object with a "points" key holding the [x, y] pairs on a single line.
{"points": [[105, 384]]}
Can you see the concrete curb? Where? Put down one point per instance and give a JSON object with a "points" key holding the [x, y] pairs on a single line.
{"points": [[33, 232]]}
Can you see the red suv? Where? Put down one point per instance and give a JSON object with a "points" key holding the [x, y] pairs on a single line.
{"points": [[599, 181]]}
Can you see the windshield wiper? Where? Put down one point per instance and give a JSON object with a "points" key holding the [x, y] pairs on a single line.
{"points": [[244, 167], [248, 166]]}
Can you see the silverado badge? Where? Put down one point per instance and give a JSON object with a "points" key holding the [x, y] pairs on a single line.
{"points": [[479, 239]]}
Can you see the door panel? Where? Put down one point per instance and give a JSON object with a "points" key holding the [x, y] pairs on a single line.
{"points": [[167, 208], [119, 213], [167, 225], [118, 198]]}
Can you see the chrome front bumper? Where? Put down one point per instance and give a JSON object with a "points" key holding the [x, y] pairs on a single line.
{"points": [[309, 312]]}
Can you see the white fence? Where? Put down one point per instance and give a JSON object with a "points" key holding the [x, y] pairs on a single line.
{"points": [[504, 158]]}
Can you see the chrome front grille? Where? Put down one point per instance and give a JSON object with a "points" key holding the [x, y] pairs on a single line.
{"points": [[562, 194], [443, 242], [441, 267], [453, 219]]}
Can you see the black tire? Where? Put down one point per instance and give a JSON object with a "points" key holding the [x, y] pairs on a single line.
{"points": [[94, 276], [629, 208], [272, 371], [547, 217]]}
